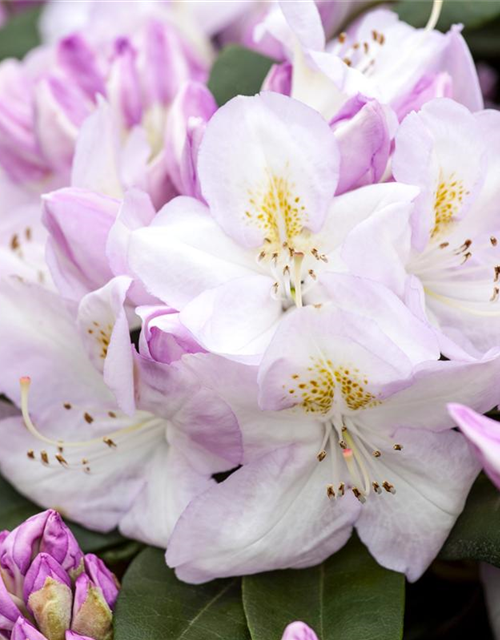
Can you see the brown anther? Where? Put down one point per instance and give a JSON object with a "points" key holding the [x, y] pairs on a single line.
{"points": [[376, 453], [61, 460], [465, 246], [466, 257], [342, 444], [312, 274], [376, 487], [27, 233], [347, 61], [286, 270], [318, 306], [31, 454], [375, 35], [497, 273], [443, 245], [342, 37], [330, 491], [67, 405], [366, 47], [341, 489], [493, 241], [45, 457], [321, 455], [84, 461], [109, 442], [86, 469], [495, 294], [389, 487], [398, 447], [323, 258], [359, 495], [88, 418], [14, 242], [344, 428], [276, 286], [111, 414], [262, 255], [275, 257]]}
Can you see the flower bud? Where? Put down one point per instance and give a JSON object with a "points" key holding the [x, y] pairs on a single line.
{"points": [[91, 614], [299, 631], [47, 592], [102, 577], [23, 630], [59, 542]]}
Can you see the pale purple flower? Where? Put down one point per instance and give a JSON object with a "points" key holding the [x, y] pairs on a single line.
{"points": [[344, 427], [271, 228], [120, 439], [484, 435], [446, 263], [42, 567]]}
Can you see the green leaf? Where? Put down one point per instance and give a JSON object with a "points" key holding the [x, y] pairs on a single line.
{"points": [[237, 71], [347, 597], [471, 14], [154, 604], [15, 508], [20, 34], [476, 534]]}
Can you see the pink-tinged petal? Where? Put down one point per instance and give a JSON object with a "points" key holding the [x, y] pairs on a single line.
{"points": [[163, 337], [236, 319], [460, 65], [71, 635], [191, 109], [363, 131], [270, 514], [102, 577], [170, 481], [279, 79], [104, 330], [20, 547], [9, 612], [77, 59], [59, 542], [484, 434], [415, 337], [23, 630], [310, 340], [124, 89], [422, 405], [379, 246], [286, 155], [43, 567], [432, 477], [299, 631], [79, 222], [305, 21], [437, 85], [184, 252]]}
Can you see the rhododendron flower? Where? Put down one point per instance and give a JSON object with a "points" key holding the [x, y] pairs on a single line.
{"points": [[50, 590], [378, 56], [453, 263], [299, 631], [484, 434], [270, 230], [352, 431], [131, 457]]}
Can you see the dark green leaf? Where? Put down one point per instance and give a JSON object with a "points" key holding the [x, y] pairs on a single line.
{"points": [[347, 597], [153, 605], [14, 509], [20, 34], [472, 13], [237, 71], [476, 535]]}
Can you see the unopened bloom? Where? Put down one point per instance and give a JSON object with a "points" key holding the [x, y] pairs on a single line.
{"points": [[50, 590], [299, 631], [484, 435], [345, 426]]}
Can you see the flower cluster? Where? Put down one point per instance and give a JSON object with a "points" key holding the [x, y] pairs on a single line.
{"points": [[238, 328], [50, 590]]}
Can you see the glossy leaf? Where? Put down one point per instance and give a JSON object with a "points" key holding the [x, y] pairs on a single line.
{"points": [[154, 604], [476, 534], [348, 596], [237, 71], [20, 34], [471, 14]]}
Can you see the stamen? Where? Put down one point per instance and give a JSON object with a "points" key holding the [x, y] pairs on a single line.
{"points": [[359, 495], [330, 491], [434, 17], [376, 453], [495, 294], [376, 488], [389, 487], [341, 489], [321, 455], [398, 447], [298, 258], [493, 241], [31, 454]]}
